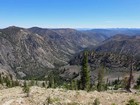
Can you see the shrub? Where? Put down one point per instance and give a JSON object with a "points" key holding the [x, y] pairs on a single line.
{"points": [[132, 102], [49, 100], [138, 83], [73, 103], [52, 100], [96, 102], [26, 89]]}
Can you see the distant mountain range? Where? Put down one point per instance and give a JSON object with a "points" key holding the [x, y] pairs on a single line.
{"points": [[114, 31], [122, 44], [35, 51]]}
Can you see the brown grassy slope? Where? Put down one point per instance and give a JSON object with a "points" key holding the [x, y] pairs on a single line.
{"points": [[39, 96]]}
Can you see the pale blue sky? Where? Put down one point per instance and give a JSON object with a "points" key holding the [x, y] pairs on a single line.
{"points": [[70, 13]]}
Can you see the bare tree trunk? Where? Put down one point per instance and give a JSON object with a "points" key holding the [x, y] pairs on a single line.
{"points": [[128, 87]]}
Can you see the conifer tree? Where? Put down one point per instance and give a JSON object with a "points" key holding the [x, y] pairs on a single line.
{"points": [[1, 79], [85, 74], [43, 84], [72, 85], [100, 85], [26, 88], [76, 84], [51, 81], [32, 82], [7, 81], [138, 81]]}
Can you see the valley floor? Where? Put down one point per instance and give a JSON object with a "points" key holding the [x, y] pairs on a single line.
{"points": [[43, 96]]}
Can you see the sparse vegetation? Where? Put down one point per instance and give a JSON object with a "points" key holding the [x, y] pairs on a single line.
{"points": [[96, 102], [73, 103], [26, 88], [52, 100], [7, 80], [65, 97], [113, 104], [137, 86], [132, 102]]}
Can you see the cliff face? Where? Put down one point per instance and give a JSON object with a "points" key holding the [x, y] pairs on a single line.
{"points": [[34, 51]]}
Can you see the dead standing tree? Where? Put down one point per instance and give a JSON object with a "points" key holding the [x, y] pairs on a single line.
{"points": [[130, 80]]}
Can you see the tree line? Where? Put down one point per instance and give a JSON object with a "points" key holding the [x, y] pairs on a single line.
{"points": [[84, 83]]}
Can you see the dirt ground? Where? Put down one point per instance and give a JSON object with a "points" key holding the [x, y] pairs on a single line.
{"points": [[43, 96]]}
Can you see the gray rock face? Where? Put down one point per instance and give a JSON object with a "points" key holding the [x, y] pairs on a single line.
{"points": [[34, 51]]}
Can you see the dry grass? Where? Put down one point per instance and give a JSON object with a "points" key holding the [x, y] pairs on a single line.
{"points": [[42, 96]]}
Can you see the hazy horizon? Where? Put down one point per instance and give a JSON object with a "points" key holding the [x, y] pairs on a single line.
{"points": [[68, 27]]}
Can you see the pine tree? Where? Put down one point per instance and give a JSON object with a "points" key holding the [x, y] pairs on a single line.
{"points": [[79, 85], [137, 86], [17, 83], [100, 85], [7, 81], [74, 85], [26, 88], [43, 84], [32, 82], [138, 81], [1, 79], [24, 84], [51, 81], [85, 74]]}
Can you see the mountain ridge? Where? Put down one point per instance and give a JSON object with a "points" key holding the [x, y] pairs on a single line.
{"points": [[121, 44], [36, 51]]}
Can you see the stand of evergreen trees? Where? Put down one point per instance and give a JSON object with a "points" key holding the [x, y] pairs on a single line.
{"points": [[84, 83], [8, 81]]}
